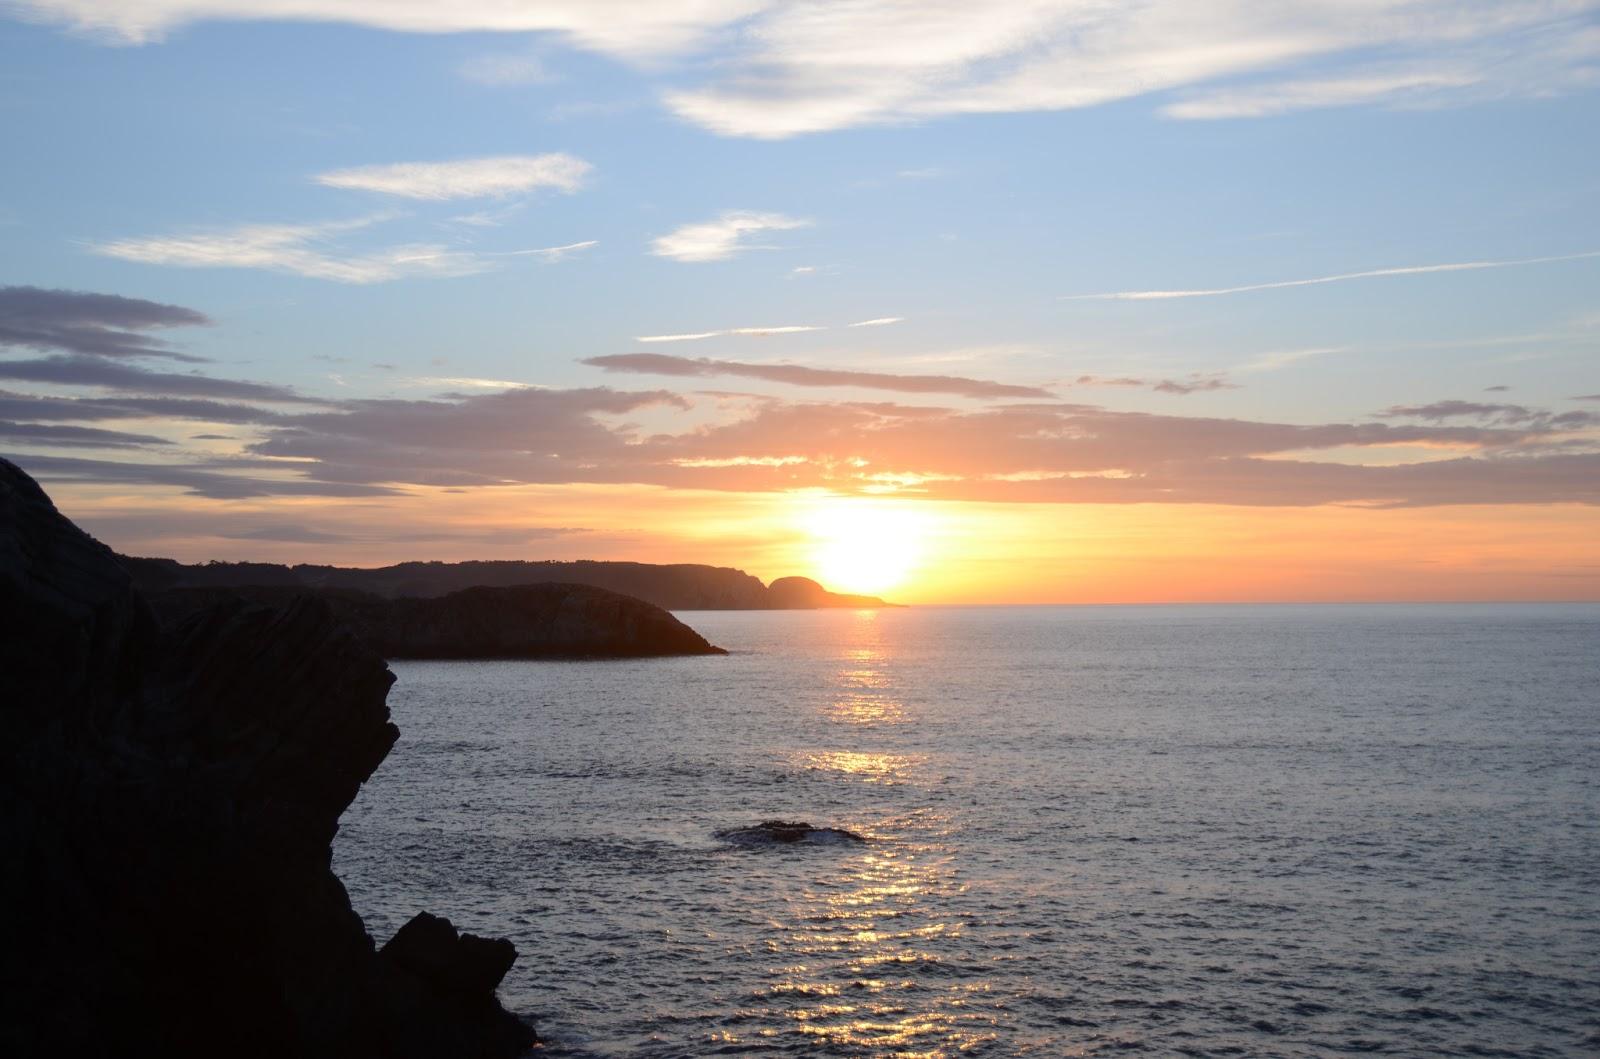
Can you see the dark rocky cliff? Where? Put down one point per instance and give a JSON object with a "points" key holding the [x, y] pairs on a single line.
{"points": [[167, 802], [683, 586], [520, 621]]}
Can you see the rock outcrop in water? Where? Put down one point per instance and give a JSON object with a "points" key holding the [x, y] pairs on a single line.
{"points": [[680, 586], [788, 833], [521, 621], [169, 800]]}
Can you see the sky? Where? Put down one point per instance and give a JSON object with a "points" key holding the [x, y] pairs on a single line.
{"points": [[1011, 302]]}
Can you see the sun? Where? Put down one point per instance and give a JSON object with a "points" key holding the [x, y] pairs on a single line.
{"points": [[862, 544]]}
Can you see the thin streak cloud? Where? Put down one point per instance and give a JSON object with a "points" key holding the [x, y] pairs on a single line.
{"points": [[722, 238], [758, 332], [801, 375], [464, 179], [554, 253], [1414, 270]]}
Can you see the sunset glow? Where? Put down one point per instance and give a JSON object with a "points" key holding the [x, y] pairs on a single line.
{"points": [[866, 545]]}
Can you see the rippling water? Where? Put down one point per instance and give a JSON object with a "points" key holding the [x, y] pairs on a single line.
{"points": [[1284, 831]]}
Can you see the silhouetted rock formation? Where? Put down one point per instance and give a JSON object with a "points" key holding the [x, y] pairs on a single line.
{"points": [[167, 803], [684, 586], [788, 833], [802, 593], [521, 621]]}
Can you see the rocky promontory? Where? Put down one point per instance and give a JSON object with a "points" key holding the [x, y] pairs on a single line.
{"points": [[519, 621], [168, 800]]}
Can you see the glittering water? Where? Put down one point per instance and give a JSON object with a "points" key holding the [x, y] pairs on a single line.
{"points": [[1283, 831]]}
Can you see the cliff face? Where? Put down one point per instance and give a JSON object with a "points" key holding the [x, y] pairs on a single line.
{"points": [[684, 586], [167, 802], [521, 621]]}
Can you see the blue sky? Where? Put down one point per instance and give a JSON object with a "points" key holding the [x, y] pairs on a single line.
{"points": [[967, 173]]}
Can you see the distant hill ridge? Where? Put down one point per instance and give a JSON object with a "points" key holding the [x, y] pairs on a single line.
{"points": [[679, 586]]}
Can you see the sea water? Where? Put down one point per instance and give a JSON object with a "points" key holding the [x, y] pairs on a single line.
{"points": [[1251, 830]]}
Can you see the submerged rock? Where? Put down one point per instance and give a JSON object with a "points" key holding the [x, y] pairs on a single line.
{"points": [[519, 621], [789, 832], [168, 797]]}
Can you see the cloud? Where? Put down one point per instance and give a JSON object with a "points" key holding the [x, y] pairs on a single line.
{"points": [[797, 375], [1441, 411], [720, 239], [554, 253], [464, 179], [880, 321], [216, 480], [101, 325], [1024, 452], [1587, 397], [636, 29], [94, 371], [784, 69], [31, 407], [1187, 386], [1195, 383], [837, 64], [1256, 101], [1460, 266], [56, 435], [297, 249], [1043, 452], [476, 440], [757, 332]]}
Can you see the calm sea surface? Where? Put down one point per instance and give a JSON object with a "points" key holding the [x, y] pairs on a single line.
{"points": [[1253, 830]]}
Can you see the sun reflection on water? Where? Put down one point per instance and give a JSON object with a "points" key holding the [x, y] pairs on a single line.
{"points": [[861, 958], [887, 769], [866, 694], [861, 969]]}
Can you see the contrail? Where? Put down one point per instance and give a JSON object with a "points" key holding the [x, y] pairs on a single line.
{"points": [[1460, 266]]}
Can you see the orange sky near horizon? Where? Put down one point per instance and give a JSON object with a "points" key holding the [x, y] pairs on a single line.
{"points": [[908, 550]]}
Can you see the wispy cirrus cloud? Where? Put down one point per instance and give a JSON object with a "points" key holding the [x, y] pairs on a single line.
{"points": [[554, 253], [465, 178], [299, 249], [838, 64], [726, 236], [1342, 277], [1282, 97], [762, 332], [786, 69], [629, 28], [800, 375], [749, 332]]}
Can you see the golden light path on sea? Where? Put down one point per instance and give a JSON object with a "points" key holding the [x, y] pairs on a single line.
{"points": [[860, 955]]}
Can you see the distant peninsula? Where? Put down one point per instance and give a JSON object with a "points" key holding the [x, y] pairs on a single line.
{"points": [[679, 586]]}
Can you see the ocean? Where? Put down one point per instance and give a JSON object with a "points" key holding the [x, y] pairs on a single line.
{"points": [[1186, 830]]}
